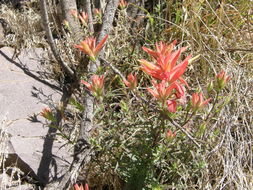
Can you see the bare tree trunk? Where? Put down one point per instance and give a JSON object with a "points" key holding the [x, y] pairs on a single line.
{"points": [[135, 12], [99, 4], [45, 19], [108, 17], [67, 6], [89, 12], [83, 148]]}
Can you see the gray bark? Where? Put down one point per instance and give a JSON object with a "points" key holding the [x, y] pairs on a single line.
{"points": [[108, 17], [89, 12], [45, 19], [85, 152], [136, 13], [67, 6]]}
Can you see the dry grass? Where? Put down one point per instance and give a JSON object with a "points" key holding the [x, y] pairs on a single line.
{"points": [[24, 28], [3, 149], [226, 43], [10, 176]]}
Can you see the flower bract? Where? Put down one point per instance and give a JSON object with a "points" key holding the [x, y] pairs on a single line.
{"points": [[89, 47]]}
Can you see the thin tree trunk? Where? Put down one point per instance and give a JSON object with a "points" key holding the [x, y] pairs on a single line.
{"points": [[45, 19], [83, 147], [67, 6], [108, 17], [89, 12], [135, 12]]}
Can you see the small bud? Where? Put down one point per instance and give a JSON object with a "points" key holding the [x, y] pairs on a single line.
{"points": [[170, 135], [210, 87], [77, 187], [122, 4], [74, 13], [98, 13], [222, 80], [48, 114], [198, 102], [97, 85], [131, 81], [66, 24], [83, 17]]}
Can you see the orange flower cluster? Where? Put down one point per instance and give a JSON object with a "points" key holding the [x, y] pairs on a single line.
{"points": [[164, 68], [168, 84], [96, 86], [89, 47], [123, 4], [222, 79]]}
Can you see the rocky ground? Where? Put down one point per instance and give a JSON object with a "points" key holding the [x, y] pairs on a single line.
{"points": [[29, 151]]}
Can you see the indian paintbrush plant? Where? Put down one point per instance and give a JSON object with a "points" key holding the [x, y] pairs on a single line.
{"points": [[137, 131], [149, 134], [173, 128]]}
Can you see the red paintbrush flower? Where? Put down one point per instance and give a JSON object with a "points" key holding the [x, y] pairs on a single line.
{"points": [[89, 47], [96, 86]]}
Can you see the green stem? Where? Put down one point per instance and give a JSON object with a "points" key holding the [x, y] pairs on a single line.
{"points": [[213, 106]]}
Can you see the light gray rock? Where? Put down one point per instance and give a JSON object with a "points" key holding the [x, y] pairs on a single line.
{"points": [[37, 153]]}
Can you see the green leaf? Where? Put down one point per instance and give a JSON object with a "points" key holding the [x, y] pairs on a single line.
{"points": [[201, 130], [156, 187], [50, 117], [178, 16], [124, 106], [76, 104]]}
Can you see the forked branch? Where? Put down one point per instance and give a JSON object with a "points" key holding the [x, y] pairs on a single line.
{"points": [[46, 23]]}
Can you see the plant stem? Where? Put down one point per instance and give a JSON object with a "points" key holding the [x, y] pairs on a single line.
{"points": [[184, 131]]}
